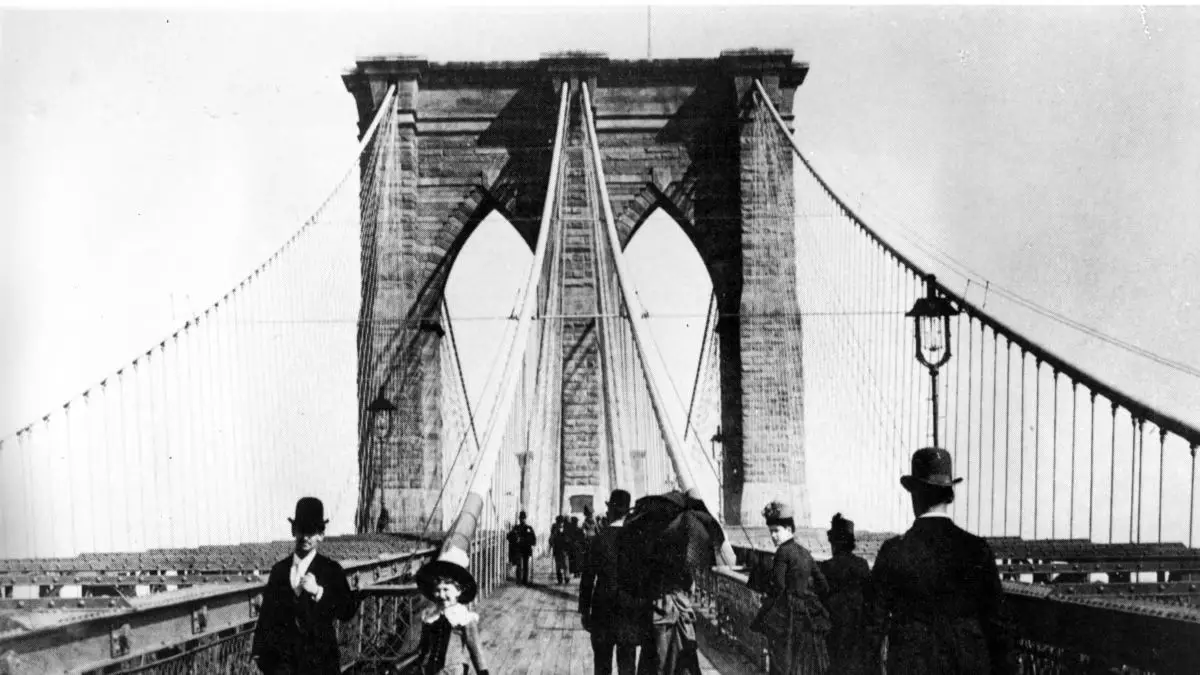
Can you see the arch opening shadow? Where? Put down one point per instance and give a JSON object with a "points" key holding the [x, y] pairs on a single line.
{"points": [[481, 293], [674, 287]]}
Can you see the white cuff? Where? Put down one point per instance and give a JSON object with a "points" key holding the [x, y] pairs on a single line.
{"points": [[320, 592]]}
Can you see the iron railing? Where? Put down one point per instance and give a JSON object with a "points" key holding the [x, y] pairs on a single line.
{"points": [[1053, 634], [379, 639]]}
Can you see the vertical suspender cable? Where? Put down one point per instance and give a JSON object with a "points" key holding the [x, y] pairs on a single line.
{"points": [[1021, 486], [463, 529], [645, 347], [1054, 459], [1037, 435], [1162, 454], [1074, 428], [1092, 462], [1141, 467], [970, 390], [995, 371], [979, 443], [1192, 497], [1112, 476], [1007, 426]]}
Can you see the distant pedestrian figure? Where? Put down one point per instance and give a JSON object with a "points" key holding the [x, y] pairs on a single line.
{"points": [[937, 586], [560, 549], [792, 617], [449, 631], [521, 541], [574, 540], [612, 614], [853, 642], [305, 593], [590, 526]]}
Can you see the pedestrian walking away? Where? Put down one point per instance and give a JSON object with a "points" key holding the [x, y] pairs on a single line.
{"points": [[937, 586], [612, 615], [521, 541], [853, 640]]}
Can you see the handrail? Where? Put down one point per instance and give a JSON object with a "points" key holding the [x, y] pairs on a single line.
{"points": [[1136, 408]]}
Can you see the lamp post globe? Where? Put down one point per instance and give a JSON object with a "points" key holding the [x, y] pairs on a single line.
{"points": [[931, 327], [383, 413]]}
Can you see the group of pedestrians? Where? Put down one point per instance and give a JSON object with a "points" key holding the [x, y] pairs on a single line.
{"points": [[932, 603], [569, 542]]}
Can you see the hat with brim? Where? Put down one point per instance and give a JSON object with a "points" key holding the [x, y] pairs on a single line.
{"points": [[931, 467], [310, 515], [619, 499], [450, 564]]}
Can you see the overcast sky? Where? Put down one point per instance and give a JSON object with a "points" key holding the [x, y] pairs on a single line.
{"points": [[148, 160]]}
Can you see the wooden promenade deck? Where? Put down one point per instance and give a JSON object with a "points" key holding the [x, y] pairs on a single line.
{"points": [[535, 630]]}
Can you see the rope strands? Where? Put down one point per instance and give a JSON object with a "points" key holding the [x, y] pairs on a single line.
{"points": [[1021, 435], [166, 451]]}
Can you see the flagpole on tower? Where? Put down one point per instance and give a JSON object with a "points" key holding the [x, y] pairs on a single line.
{"points": [[649, 54]]}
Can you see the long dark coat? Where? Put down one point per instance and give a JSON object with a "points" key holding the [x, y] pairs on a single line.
{"points": [[296, 634], [796, 581], [939, 591], [615, 614], [853, 645]]}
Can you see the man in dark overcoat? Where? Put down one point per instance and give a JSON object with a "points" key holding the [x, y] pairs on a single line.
{"points": [[305, 593], [521, 540], [937, 586], [611, 614]]}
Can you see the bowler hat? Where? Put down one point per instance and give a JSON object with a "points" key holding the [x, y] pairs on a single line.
{"points": [[451, 563], [930, 466], [619, 500], [310, 515]]}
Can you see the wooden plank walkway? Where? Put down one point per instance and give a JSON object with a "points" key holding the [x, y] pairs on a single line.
{"points": [[535, 630]]}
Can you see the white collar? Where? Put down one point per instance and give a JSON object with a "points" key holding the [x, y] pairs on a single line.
{"points": [[934, 514], [457, 615], [306, 560]]}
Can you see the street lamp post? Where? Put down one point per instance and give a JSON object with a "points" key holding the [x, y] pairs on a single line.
{"points": [[718, 461], [931, 325]]}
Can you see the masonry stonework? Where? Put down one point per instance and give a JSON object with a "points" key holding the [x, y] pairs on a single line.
{"points": [[470, 138]]}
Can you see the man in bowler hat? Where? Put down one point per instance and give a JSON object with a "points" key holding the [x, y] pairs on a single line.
{"points": [[521, 540], [305, 593], [937, 587], [611, 614]]}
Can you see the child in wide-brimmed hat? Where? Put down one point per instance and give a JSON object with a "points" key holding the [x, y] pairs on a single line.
{"points": [[449, 630]]}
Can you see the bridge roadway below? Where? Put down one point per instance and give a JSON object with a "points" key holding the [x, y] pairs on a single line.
{"points": [[535, 630]]}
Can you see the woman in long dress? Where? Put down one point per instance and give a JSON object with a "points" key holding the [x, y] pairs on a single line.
{"points": [[791, 601], [853, 643]]}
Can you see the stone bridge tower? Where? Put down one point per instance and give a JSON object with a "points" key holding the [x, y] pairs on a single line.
{"points": [[673, 134]]}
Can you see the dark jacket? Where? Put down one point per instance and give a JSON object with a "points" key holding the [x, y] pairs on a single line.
{"points": [[853, 643], [448, 646], [299, 631], [521, 541], [938, 589], [792, 571], [614, 613]]}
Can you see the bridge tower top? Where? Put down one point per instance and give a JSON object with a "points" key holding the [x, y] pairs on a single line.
{"points": [[656, 78]]}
